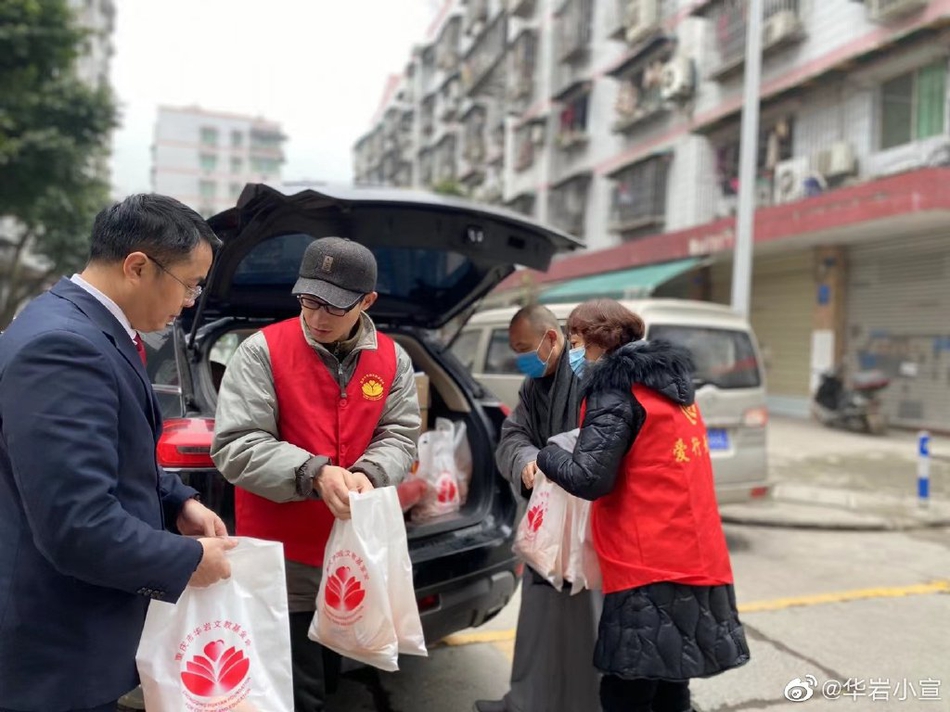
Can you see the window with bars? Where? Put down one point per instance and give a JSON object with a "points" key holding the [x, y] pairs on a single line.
{"points": [[639, 195], [776, 141], [640, 95], [572, 124], [527, 138], [475, 148], [574, 29], [914, 105], [567, 204], [485, 55], [523, 62]]}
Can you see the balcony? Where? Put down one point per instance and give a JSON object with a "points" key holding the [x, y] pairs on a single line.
{"points": [[521, 70], [447, 55], [574, 30], [567, 204], [486, 54], [781, 26], [887, 10], [474, 147], [572, 125], [521, 8], [528, 138], [639, 196], [651, 85], [476, 15], [632, 21]]}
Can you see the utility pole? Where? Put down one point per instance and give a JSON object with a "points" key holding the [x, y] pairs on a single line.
{"points": [[748, 157]]}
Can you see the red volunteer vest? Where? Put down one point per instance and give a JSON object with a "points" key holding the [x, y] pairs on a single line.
{"points": [[661, 522], [316, 416]]}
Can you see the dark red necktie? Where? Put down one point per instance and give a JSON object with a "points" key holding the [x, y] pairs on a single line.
{"points": [[140, 347]]}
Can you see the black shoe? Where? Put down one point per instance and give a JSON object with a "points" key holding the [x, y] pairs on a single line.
{"points": [[491, 706]]}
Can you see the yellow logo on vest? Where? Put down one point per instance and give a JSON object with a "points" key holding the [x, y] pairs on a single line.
{"points": [[372, 387], [691, 412]]}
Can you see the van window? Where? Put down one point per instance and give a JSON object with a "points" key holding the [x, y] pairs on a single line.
{"points": [[464, 346], [500, 357], [724, 358]]}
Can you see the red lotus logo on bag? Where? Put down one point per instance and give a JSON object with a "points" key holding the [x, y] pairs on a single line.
{"points": [[344, 591], [217, 671], [214, 666], [447, 490], [535, 517], [344, 587]]}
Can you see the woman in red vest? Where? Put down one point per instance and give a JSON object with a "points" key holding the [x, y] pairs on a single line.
{"points": [[642, 457]]}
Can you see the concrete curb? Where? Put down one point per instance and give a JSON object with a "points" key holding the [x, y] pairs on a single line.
{"points": [[796, 506]]}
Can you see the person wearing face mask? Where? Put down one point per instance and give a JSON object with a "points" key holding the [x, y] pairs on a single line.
{"points": [[642, 458], [554, 643], [310, 409]]}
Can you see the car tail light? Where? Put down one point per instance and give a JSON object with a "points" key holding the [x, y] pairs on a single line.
{"points": [[756, 418], [186, 442], [428, 603], [519, 569], [505, 410], [758, 492]]}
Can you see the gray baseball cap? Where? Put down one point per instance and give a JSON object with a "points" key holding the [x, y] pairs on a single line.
{"points": [[336, 270]]}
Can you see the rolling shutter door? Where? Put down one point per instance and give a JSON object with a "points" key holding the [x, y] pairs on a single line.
{"points": [[782, 315], [899, 322]]}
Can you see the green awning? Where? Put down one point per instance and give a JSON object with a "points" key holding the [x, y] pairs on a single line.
{"points": [[631, 283]]}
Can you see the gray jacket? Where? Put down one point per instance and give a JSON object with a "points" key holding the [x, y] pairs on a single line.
{"points": [[247, 448]]}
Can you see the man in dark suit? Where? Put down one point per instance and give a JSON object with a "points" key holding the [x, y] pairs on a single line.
{"points": [[83, 504]]}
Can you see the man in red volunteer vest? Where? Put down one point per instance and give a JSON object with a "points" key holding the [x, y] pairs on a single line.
{"points": [[309, 410]]}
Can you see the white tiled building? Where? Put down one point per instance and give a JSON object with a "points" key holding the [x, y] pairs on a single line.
{"points": [[98, 18], [619, 121], [205, 158]]}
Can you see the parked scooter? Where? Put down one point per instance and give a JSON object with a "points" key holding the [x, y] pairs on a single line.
{"points": [[856, 407]]}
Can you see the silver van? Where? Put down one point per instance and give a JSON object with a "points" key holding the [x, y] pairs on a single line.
{"points": [[730, 378]]}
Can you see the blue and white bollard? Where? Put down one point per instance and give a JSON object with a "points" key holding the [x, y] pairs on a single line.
{"points": [[923, 468]]}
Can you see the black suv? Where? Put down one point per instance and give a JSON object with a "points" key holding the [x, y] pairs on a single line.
{"points": [[437, 257]]}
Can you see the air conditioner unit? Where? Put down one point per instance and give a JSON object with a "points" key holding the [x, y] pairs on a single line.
{"points": [[838, 160], [790, 179], [881, 10], [780, 26], [641, 18], [678, 79]]}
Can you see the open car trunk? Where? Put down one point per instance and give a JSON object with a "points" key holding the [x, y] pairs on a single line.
{"points": [[445, 395]]}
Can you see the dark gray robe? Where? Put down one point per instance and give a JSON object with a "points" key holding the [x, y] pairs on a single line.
{"points": [[553, 668]]}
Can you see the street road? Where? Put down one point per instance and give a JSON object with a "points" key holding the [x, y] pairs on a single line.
{"points": [[870, 606]]}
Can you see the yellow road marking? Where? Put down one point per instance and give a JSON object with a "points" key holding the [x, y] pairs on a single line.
{"points": [[483, 636], [502, 637], [842, 596]]}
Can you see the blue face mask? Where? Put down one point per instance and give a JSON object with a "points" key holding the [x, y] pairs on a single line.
{"points": [[532, 365], [578, 362]]}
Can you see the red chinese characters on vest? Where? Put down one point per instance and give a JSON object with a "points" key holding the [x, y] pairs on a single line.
{"points": [[320, 417], [661, 522]]}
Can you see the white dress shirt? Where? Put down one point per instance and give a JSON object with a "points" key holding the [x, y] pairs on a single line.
{"points": [[108, 304]]}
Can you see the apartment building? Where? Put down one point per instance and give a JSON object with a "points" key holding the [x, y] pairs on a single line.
{"points": [[205, 158], [97, 17], [619, 121]]}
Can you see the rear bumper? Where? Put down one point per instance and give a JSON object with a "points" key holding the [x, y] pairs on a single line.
{"points": [[468, 602]]}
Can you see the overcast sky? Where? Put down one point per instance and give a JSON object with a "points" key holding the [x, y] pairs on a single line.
{"points": [[318, 67]]}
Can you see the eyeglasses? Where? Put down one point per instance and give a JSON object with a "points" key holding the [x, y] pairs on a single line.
{"points": [[191, 293], [308, 302]]}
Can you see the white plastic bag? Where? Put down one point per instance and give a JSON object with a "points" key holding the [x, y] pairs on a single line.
{"points": [[225, 647], [583, 567], [541, 531], [439, 469], [366, 607]]}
